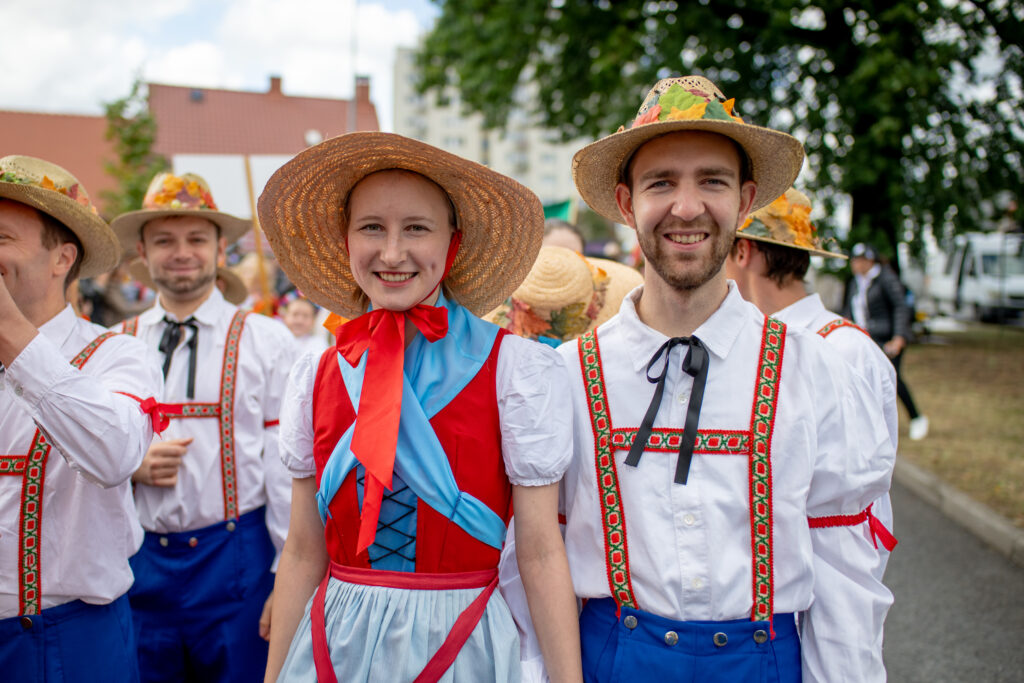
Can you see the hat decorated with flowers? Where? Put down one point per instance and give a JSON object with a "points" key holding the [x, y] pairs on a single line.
{"points": [[786, 222], [682, 104], [173, 195], [53, 190], [622, 280], [560, 297]]}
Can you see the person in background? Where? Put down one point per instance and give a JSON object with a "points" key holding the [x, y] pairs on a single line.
{"points": [[876, 300], [299, 315], [72, 432], [559, 233]]}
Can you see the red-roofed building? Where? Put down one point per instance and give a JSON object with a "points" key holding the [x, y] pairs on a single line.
{"points": [[195, 123], [74, 142], [211, 121]]}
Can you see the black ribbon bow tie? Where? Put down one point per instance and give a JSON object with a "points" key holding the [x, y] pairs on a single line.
{"points": [[695, 364], [169, 342]]}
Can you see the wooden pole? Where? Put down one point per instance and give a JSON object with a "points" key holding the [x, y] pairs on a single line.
{"points": [[267, 307]]}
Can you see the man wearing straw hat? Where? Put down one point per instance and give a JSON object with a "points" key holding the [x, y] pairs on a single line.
{"points": [[695, 468], [212, 495], [71, 434]]}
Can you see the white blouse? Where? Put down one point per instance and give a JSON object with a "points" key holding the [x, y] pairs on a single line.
{"points": [[534, 407]]}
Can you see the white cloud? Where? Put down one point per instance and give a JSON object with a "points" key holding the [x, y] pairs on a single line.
{"points": [[72, 56]]}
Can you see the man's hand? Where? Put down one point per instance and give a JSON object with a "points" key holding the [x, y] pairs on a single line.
{"points": [[265, 618], [894, 346], [15, 329], [160, 465]]}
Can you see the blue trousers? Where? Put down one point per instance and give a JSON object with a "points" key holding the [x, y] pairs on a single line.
{"points": [[197, 600], [639, 646], [73, 643]]}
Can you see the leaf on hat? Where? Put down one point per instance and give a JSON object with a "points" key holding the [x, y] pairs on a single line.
{"points": [[716, 112], [689, 114], [677, 97]]}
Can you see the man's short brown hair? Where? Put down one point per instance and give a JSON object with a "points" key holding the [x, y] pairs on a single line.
{"points": [[54, 235], [781, 263]]}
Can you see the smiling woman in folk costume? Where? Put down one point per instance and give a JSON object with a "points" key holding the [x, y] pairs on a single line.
{"points": [[411, 439]]}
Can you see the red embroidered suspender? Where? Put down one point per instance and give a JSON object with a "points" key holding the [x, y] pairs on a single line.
{"points": [[754, 443], [32, 468], [130, 326], [224, 410], [831, 327]]}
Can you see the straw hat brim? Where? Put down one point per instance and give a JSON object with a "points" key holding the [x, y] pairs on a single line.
{"points": [[621, 281], [775, 159], [100, 249], [234, 289], [128, 226], [300, 210], [769, 240]]}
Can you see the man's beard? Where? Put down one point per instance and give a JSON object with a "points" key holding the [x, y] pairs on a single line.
{"points": [[183, 286], [704, 268]]}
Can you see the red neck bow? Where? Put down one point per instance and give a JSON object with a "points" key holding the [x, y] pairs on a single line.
{"points": [[381, 333]]}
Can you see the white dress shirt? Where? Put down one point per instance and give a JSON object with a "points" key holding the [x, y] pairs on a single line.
{"points": [[859, 304], [266, 352], [89, 527], [689, 546]]}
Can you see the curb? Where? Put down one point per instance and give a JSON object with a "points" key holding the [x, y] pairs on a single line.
{"points": [[981, 520]]}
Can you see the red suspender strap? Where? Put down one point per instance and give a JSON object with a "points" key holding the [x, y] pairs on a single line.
{"points": [[267, 424], [836, 324], [875, 526], [612, 519], [130, 327], [762, 422], [228, 377], [32, 468], [457, 637]]}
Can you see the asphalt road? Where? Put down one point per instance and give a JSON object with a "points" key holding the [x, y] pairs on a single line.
{"points": [[959, 606]]}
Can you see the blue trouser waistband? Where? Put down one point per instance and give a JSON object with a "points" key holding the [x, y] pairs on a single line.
{"points": [[185, 540], [695, 637], [52, 615]]}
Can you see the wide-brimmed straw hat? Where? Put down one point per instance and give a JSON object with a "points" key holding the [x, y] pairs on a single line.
{"points": [[621, 281], [53, 190], [172, 195], [787, 222], [234, 290], [302, 212], [680, 104], [560, 297]]}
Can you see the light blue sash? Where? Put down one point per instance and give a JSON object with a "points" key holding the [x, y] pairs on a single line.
{"points": [[434, 374]]}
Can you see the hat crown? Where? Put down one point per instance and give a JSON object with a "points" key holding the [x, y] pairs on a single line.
{"points": [[170, 192], [685, 98], [45, 175], [786, 221]]}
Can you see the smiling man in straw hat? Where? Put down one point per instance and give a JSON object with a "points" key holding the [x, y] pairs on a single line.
{"points": [[410, 439], [687, 510], [71, 434], [212, 495]]}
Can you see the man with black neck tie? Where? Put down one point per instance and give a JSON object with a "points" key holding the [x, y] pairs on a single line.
{"points": [[706, 434], [212, 495]]}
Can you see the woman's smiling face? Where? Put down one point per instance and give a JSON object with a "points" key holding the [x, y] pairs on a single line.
{"points": [[399, 227]]}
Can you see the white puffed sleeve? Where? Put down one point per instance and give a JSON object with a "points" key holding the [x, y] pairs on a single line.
{"points": [[535, 409], [296, 439]]}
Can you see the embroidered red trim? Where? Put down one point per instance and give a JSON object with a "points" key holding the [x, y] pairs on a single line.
{"points": [[875, 526], [32, 468], [831, 327]]}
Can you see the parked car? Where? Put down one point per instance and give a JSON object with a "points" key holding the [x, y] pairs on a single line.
{"points": [[982, 276]]}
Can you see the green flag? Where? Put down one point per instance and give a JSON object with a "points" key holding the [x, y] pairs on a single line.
{"points": [[565, 211]]}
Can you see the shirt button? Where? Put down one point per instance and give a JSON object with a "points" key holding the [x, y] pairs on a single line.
{"points": [[689, 519], [164, 541], [697, 582], [683, 396], [26, 623], [18, 390]]}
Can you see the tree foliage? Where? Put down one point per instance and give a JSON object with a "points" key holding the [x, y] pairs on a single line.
{"points": [[132, 128], [909, 110]]}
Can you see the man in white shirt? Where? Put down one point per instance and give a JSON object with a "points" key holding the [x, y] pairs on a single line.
{"points": [[687, 512], [212, 495], [71, 434]]}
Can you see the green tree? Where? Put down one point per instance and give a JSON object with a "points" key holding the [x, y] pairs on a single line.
{"points": [[132, 128], [910, 110]]}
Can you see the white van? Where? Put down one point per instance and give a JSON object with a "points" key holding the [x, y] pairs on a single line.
{"points": [[983, 276]]}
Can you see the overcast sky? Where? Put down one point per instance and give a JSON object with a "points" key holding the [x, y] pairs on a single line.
{"points": [[69, 56]]}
